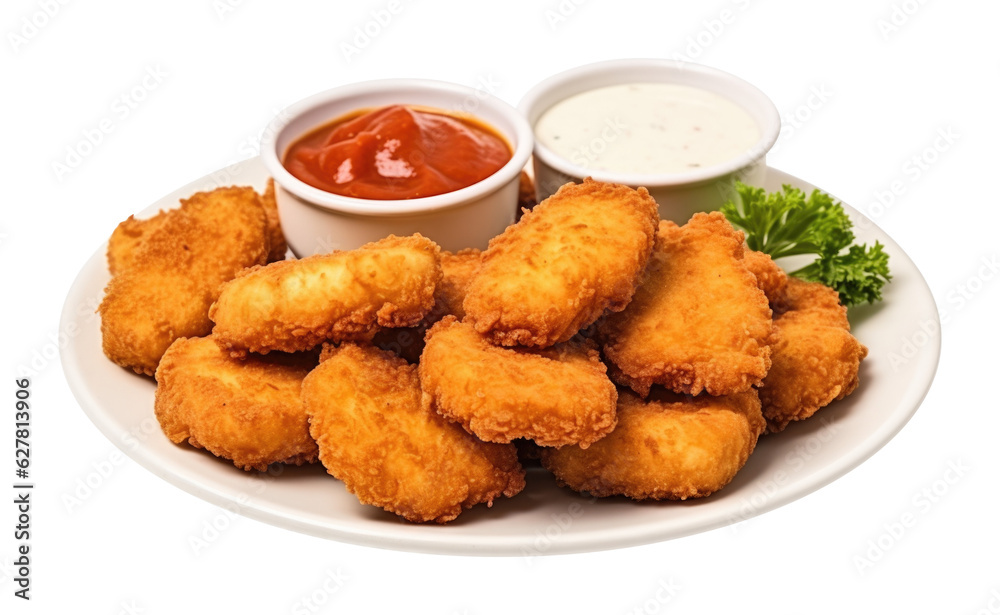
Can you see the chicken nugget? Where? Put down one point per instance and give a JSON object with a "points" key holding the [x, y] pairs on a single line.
{"points": [[816, 299], [577, 253], [669, 447], [554, 396], [815, 359], [299, 304], [170, 271], [457, 271], [249, 411], [698, 322], [374, 435], [771, 278], [128, 236]]}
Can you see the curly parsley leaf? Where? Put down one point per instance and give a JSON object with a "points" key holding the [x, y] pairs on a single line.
{"points": [[857, 275], [789, 223]]}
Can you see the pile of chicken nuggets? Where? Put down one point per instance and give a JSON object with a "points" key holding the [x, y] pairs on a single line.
{"points": [[625, 354]]}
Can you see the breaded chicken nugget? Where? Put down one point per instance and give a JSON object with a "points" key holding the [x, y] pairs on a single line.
{"points": [[669, 447], [576, 254], [299, 304], [771, 278], [249, 411], [815, 359], [698, 322], [365, 413], [169, 273], [129, 235], [457, 271], [816, 299], [554, 396]]}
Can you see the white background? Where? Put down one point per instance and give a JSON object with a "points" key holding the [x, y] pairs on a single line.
{"points": [[228, 69]]}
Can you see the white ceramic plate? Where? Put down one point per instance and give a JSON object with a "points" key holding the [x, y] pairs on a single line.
{"points": [[902, 334]]}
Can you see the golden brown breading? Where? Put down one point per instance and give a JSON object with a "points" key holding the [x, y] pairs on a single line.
{"points": [[365, 413], [579, 252], [457, 271], [169, 272], [276, 237], [815, 359], [698, 322], [670, 447], [771, 278], [128, 236], [814, 298], [299, 304], [554, 396], [249, 411]]}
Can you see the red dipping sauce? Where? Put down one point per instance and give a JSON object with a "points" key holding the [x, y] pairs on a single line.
{"points": [[397, 152]]}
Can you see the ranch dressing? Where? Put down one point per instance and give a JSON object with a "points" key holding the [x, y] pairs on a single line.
{"points": [[647, 128]]}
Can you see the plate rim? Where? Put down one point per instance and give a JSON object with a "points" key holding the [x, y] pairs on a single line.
{"points": [[621, 536]]}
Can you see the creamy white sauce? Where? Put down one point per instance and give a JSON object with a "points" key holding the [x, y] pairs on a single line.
{"points": [[647, 128]]}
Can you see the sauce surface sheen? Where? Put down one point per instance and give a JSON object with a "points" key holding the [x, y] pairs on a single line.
{"points": [[397, 152]]}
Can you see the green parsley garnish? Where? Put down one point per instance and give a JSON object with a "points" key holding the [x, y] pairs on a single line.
{"points": [[787, 223]]}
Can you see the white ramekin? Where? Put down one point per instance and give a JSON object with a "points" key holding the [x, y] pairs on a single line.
{"points": [[316, 221], [678, 194]]}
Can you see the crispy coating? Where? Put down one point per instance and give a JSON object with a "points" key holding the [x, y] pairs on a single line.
{"points": [[554, 396], [374, 435], [457, 271], [249, 411], [299, 304], [669, 447], [815, 359], [771, 278], [278, 247], [698, 322], [579, 252], [128, 236], [817, 299], [169, 272]]}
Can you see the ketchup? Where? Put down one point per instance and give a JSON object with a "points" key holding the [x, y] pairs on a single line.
{"points": [[397, 152]]}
